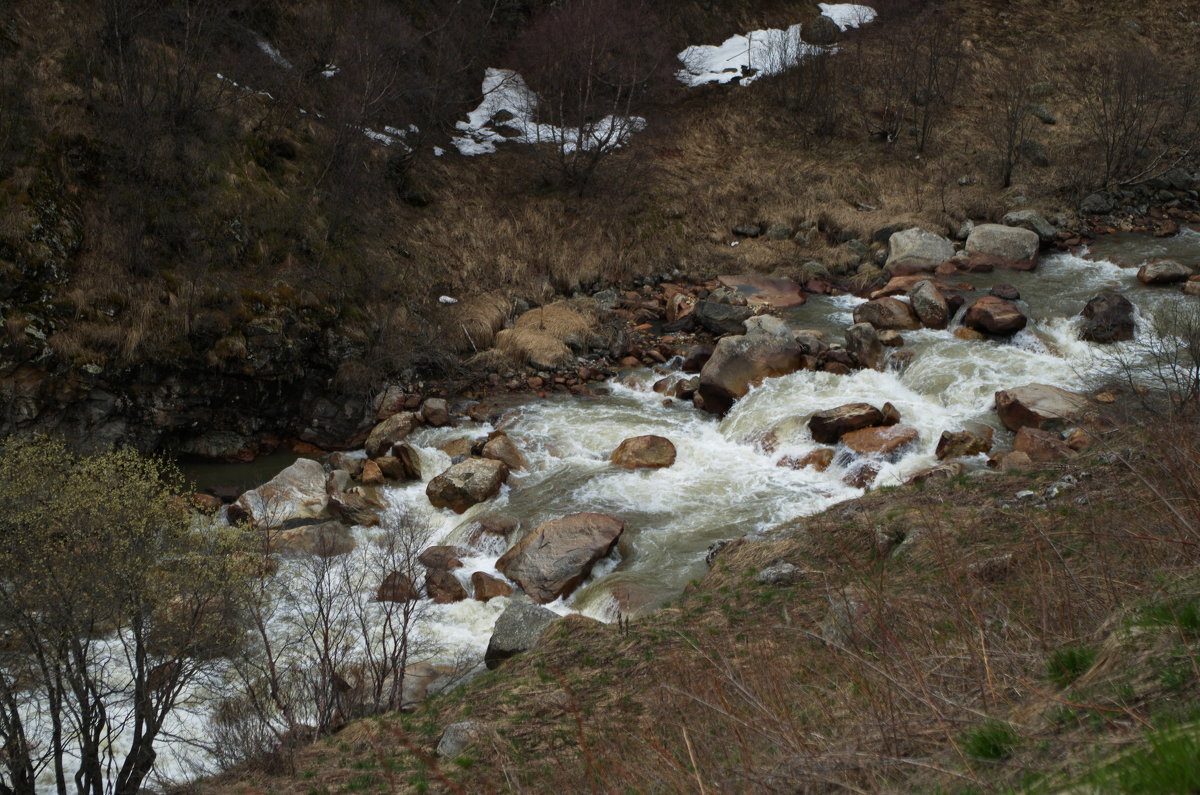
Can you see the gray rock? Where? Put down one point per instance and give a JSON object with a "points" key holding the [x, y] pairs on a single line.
{"points": [[915, 250], [606, 300], [296, 495], [964, 231], [1163, 272], [1034, 222], [722, 318], [1107, 318], [1042, 114], [930, 306], [457, 737], [518, 629], [467, 483], [1013, 246], [862, 340], [1096, 204], [393, 429], [779, 574], [748, 230], [779, 232]]}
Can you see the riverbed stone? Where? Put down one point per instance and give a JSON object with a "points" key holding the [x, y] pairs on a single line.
{"points": [[885, 441], [915, 250], [442, 556], [863, 341], [1039, 406], [963, 444], [467, 483], [720, 318], [325, 540], [443, 587], [518, 629], [739, 362], [556, 557], [644, 452], [829, 426], [394, 429], [1164, 272], [887, 313], [297, 494], [501, 447], [488, 587], [929, 304], [1002, 246], [1107, 318], [397, 587], [1033, 221], [992, 315]]}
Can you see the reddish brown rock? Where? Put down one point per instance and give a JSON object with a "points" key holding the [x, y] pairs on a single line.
{"points": [[1041, 445], [443, 587], [397, 587], [830, 425], [930, 306], [644, 452], [488, 587], [819, 459], [500, 447], [887, 313], [1039, 406], [372, 475], [442, 557], [962, 444], [390, 431], [885, 441], [435, 412], [466, 484], [992, 315], [935, 473]]}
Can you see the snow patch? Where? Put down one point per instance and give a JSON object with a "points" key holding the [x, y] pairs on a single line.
{"points": [[745, 58], [274, 54], [507, 114]]}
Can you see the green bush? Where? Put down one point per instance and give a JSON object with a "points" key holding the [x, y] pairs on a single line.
{"points": [[992, 741], [1069, 663]]}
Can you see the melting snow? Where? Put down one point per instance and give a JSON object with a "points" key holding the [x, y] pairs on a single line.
{"points": [[744, 59], [274, 54], [507, 114]]}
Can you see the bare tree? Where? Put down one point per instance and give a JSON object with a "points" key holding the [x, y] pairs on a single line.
{"points": [[594, 66], [1009, 125]]}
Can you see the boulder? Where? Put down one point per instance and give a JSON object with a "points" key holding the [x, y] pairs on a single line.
{"points": [[890, 338], [458, 737], [962, 444], [443, 587], [722, 318], [822, 31], [326, 540], [916, 250], [1003, 246], [864, 343], [935, 473], [644, 452], [467, 483], [739, 362], [992, 315], [518, 629], [1005, 291], [1096, 204], [1163, 272], [435, 412], [1039, 406], [297, 494], [1041, 445], [500, 447], [372, 475], [556, 557], [397, 587], [355, 506], [819, 459], [886, 441], [1034, 222], [1191, 288], [442, 557], [832, 424], [891, 414], [403, 464], [887, 313], [488, 587], [394, 429], [930, 306], [696, 357], [1107, 318]]}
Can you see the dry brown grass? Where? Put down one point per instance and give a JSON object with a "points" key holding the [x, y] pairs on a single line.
{"points": [[533, 346], [471, 324]]}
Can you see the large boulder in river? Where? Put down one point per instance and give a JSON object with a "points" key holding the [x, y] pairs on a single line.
{"points": [[392, 430], [518, 629], [915, 250], [863, 341], [1003, 246], [443, 587], [500, 447], [722, 318], [467, 483], [1107, 318], [767, 350], [325, 540], [887, 313], [992, 315], [930, 306], [296, 495], [885, 442], [1039, 406], [552, 560], [644, 452], [830, 425], [1034, 222], [1163, 272]]}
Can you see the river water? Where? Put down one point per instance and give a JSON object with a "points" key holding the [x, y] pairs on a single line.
{"points": [[725, 482]]}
